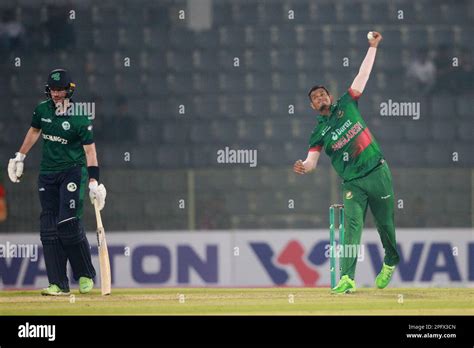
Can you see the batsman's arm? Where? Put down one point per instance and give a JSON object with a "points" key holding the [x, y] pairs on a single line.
{"points": [[308, 165], [358, 85], [16, 165], [30, 139], [91, 157], [96, 192]]}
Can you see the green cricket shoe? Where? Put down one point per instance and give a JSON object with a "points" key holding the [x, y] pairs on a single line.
{"points": [[345, 285], [54, 290], [384, 276], [85, 285]]}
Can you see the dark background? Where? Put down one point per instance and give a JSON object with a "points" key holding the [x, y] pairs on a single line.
{"points": [[174, 156]]}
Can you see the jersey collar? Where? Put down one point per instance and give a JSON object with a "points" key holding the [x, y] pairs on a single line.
{"points": [[322, 119]]}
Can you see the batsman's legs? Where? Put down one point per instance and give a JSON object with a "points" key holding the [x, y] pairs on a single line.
{"points": [[54, 254], [70, 229]]}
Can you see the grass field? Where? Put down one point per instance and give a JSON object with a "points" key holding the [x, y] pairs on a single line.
{"points": [[274, 301]]}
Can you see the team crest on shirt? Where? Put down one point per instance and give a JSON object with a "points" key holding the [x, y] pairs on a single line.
{"points": [[349, 195], [66, 125], [71, 187], [340, 113]]}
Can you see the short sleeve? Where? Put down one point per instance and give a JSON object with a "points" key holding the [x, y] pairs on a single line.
{"points": [[85, 131], [36, 119], [348, 98], [353, 96]]}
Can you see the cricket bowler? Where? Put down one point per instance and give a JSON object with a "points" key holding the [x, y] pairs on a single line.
{"points": [[69, 162], [358, 160]]}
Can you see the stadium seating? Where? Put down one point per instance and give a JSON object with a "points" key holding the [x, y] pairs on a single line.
{"points": [[240, 107]]}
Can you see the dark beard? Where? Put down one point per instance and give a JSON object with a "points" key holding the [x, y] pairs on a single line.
{"points": [[323, 108]]}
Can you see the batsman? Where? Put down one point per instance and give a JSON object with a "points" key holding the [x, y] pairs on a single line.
{"points": [[69, 163], [358, 160]]}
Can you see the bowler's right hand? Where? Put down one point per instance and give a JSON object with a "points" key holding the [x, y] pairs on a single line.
{"points": [[15, 167], [299, 167], [376, 40]]}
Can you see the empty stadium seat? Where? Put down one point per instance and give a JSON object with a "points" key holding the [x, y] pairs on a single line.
{"points": [[245, 107]]}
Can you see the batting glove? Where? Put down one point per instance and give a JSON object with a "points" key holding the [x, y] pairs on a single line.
{"points": [[97, 192], [15, 167]]}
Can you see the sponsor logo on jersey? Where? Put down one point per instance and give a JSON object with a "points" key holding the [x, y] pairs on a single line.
{"points": [[385, 197], [66, 125], [71, 187], [325, 130], [54, 138], [335, 134], [349, 195], [351, 133], [48, 120], [340, 113]]}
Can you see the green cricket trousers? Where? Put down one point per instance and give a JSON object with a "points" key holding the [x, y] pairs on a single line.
{"points": [[374, 190]]}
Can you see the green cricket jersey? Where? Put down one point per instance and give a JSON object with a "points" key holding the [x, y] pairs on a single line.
{"points": [[64, 137], [347, 141]]}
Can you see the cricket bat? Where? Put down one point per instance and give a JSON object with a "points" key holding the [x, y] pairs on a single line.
{"points": [[104, 262]]}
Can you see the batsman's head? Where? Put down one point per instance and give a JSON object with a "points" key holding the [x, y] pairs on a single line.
{"points": [[59, 85], [320, 98]]}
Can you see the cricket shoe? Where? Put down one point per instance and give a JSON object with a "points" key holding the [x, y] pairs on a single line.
{"points": [[85, 285], [54, 290], [345, 285], [384, 277]]}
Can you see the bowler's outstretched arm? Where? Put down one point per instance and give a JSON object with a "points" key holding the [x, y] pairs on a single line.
{"points": [[358, 85]]}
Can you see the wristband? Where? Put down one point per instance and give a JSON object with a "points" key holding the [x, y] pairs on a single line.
{"points": [[93, 172]]}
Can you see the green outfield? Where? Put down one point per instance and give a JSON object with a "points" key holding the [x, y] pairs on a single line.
{"points": [[223, 301]]}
